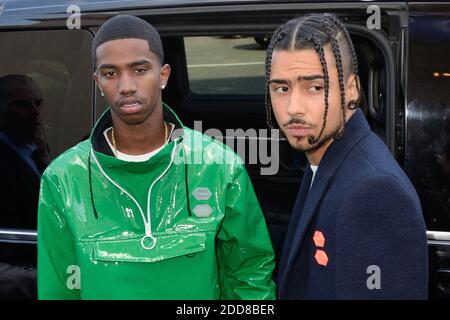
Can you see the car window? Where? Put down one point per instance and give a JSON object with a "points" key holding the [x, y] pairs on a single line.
{"points": [[45, 108], [225, 65], [428, 117]]}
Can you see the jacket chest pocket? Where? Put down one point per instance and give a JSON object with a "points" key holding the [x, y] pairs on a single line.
{"points": [[166, 247]]}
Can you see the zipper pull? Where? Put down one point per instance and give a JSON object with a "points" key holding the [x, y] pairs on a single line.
{"points": [[148, 231]]}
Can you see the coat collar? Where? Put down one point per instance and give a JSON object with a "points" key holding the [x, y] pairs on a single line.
{"points": [[357, 128]]}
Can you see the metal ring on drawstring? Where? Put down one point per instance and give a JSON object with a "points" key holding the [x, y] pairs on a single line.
{"points": [[150, 237]]}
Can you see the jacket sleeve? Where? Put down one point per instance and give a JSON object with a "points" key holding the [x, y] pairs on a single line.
{"points": [[58, 273], [244, 249], [381, 245]]}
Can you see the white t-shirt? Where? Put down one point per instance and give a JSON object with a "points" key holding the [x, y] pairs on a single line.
{"points": [[314, 170], [138, 157]]}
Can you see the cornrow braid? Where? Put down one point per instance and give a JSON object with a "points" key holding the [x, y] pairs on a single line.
{"points": [[338, 58], [332, 34], [319, 49], [337, 54], [351, 47], [278, 35]]}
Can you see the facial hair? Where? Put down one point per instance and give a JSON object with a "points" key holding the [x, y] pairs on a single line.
{"points": [[326, 137]]}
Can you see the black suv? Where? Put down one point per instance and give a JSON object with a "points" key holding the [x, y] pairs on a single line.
{"points": [[216, 50]]}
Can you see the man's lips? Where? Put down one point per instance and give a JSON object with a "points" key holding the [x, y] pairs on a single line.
{"points": [[130, 106], [297, 130]]}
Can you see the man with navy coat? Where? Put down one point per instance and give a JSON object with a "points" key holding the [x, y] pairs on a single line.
{"points": [[357, 230]]}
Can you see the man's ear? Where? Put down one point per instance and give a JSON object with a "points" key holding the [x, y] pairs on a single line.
{"points": [[352, 90], [95, 77], [164, 75]]}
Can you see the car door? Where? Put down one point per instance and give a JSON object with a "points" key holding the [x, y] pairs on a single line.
{"points": [[427, 141], [46, 98]]}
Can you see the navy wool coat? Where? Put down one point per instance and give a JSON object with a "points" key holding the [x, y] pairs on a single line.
{"points": [[358, 233]]}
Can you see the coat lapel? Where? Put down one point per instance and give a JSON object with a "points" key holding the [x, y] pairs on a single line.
{"points": [[295, 216], [301, 227], [356, 129]]}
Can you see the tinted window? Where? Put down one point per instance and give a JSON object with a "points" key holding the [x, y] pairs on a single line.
{"points": [[45, 108], [428, 117], [225, 65]]}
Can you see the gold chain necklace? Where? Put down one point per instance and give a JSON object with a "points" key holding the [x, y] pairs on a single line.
{"points": [[166, 136]]}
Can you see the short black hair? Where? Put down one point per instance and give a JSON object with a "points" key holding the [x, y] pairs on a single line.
{"points": [[314, 32], [128, 27]]}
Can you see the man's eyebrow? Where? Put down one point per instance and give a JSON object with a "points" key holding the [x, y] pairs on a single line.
{"points": [[139, 63], [279, 81], [107, 66], [310, 77], [131, 64], [300, 78]]}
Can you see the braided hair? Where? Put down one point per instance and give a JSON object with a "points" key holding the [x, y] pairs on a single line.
{"points": [[314, 32]]}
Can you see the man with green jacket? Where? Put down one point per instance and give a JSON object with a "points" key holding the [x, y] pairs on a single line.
{"points": [[147, 208]]}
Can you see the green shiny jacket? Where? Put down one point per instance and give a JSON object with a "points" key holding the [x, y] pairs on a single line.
{"points": [[184, 224]]}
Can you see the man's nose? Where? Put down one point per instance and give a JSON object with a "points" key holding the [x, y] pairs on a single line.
{"points": [[36, 109], [296, 104], [127, 85]]}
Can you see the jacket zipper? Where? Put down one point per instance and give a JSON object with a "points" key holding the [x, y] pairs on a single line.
{"points": [[147, 222]]}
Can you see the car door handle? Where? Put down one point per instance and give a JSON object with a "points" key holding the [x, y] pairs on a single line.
{"points": [[18, 235]]}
